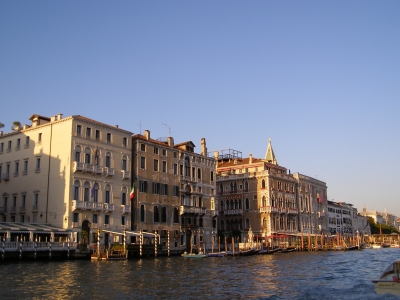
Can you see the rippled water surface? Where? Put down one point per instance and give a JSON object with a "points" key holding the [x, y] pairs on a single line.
{"points": [[303, 275]]}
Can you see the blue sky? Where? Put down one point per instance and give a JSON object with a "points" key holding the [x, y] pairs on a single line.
{"points": [[320, 78]]}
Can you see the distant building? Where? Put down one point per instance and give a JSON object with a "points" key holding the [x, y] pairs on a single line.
{"points": [[175, 189], [71, 172]]}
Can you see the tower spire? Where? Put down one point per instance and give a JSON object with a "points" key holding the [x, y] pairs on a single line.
{"points": [[269, 155]]}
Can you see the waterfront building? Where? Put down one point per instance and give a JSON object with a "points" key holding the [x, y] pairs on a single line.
{"points": [[343, 218], [254, 193], [72, 173], [175, 190], [375, 215], [312, 204], [362, 226]]}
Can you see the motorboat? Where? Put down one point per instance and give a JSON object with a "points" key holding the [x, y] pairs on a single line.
{"points": [[193, 255], [217, 254], [269, 251], [388, 281], [251, 251]]}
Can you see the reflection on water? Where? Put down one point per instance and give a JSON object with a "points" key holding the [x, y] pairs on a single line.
{"points": [[321, 275]]}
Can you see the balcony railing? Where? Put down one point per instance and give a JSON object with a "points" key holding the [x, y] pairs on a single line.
{"points": [[35, 208], [3, 209], [85, 205], [22, 208], [125, 209], [108, 171], [125, 174], [108, 207], [237, 211], [192, 210]]}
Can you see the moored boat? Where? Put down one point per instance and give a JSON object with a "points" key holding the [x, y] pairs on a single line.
{"points": [[217, 254], [269, 251], [192, 255], [388, 281], [251, 251]]}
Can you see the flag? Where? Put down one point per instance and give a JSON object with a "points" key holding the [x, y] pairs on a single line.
{"points": [[93, 188], [132, 194]]}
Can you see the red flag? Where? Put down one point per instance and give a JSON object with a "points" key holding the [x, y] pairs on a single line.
{"points": [[132, 194]]}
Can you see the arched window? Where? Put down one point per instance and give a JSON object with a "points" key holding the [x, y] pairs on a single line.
{"points": [[95, 192], [124, 163], [87, 155], [212, 176], [264, 223], [263, 184], [247, 204], [108, 160], [107, 195], [247, 223], [273, 204], [221, 189], [240, 203], [227, 205], [156, 217], [246, 186], [228, 225], [222, 225], [198, 173], [200, 201], [235, 187], [96, 157], [76, 189], [142, 213], [176, 215], [187, 167], [86, 191], [231, 192], [78, 153], [221, 206], [123, 196], [164, 214], [264, 201]]}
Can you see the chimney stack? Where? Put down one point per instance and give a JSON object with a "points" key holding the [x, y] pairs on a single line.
{"points": [[250, 158], [170, 141], [147, 134], [203, 147]]}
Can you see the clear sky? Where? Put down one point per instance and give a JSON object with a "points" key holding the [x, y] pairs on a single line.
{"points": [[320, 78]]}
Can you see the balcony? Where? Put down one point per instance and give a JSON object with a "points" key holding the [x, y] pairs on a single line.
{"points": [[78, 166], [22, 208], [35, 208], [125, 209], [108, 207], [3, 209], [13, 209], [85, 205], [192, 210], [5, 177], [89, 168], [125, 174], [108, 171], [97, 170], [230, 212], [292, 211], [214, 213], [269, 209], [188, 178]]}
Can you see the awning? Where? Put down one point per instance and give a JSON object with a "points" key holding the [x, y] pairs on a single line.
{"points": [[18, 227]]}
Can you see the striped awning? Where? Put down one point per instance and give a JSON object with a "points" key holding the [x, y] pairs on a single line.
{"points": [[19, 227]]}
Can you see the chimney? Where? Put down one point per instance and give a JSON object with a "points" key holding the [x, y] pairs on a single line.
{"points": [[203, 147], [52, 118], [147, 134], [216, 155], [59, 116], [250, 158], [116, 126], [170, 141]]}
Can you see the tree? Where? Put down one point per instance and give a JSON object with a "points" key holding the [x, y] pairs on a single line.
{"points": [[1, 125], [16, 125]]}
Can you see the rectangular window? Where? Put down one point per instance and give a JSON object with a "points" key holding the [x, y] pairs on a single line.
{"points": [[107, 219], [23, 200], [107, 200], [37, 164], [108, 137], [88, 132], [95, 218], [175, 155], [123, 200], [27, 141], [36, 199], [18, 144], [40, 138], [176, 191], [16, 170], [143, 162], [76, 218], [143, 186], [78, 130], [97, 134], [164, 166], [124, 141], [164, 189], [143, 147], [156, 188], [14, 203], [9, 145], [164, 152], [155, 150], [123, 220], [2, 147], [175, 169], [156, 165]]}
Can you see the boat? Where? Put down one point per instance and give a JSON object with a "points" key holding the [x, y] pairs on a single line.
{"points": [[388, 281], [217, 254], [232, 253], [286, 250], [193, 255], [269, 251], [251, 251]]}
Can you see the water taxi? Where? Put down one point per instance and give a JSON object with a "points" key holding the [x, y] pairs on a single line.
{"points": [[388, 281]]}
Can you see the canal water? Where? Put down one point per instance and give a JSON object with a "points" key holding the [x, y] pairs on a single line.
{"points": [[295, 275]]}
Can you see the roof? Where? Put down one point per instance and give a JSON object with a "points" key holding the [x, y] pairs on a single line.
{"points": [[26, 227], [165, 144], [99, 123], [238, 162], [270, 155]]}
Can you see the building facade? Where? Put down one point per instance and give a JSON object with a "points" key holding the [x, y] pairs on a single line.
{"points": [[175, 192], [71, 172]]}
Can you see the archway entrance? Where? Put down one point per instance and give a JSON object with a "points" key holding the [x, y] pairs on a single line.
{"points": [[85, 233]]}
